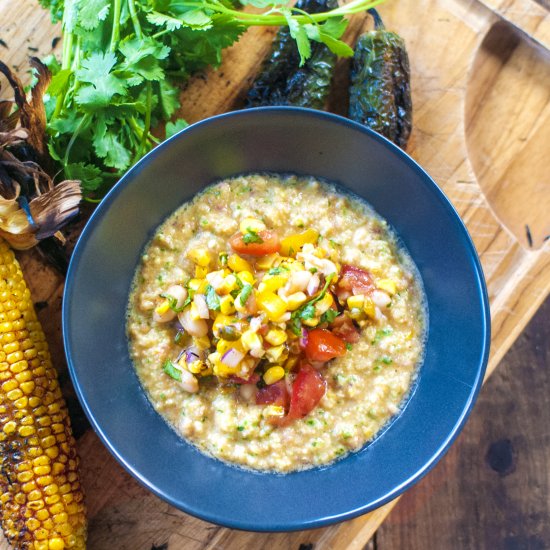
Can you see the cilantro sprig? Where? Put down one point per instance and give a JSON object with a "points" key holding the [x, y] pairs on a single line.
{"points": [[123, 62]]}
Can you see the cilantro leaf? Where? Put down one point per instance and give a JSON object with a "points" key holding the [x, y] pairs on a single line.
{"points": [[173, 128], [103, 84], [162, 20], [88, 174], [244, 294], [212, 299], [59, 81], [277, 270], [298, 32], [92, 12], [251, 236], [329, 316], [171, 370]]}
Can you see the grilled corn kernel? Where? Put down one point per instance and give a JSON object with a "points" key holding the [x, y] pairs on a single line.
{"points": [[271, 304], [251, 340], [313, 322], [27, 501], [229, 284], [265, 262], [369, 308], [271, 283], [203, 342], [324, 304], [195, 366], [198, 285], [274, 374], [389, 285], [227, 305], [356, 301], [200, 272], [292, 244], [273, 410], [276, 337], [163, 308], [236, 263], [251, 224], [201, 256], [294, 301], [276, 354], [246, 277]]}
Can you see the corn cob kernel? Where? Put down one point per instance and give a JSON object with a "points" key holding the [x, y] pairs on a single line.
{"points": [[34, 430]]}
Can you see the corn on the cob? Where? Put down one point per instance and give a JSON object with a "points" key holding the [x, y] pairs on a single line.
{"points": [[40, 495]]}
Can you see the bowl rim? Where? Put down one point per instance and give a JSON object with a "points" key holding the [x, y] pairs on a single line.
{"points": [[274, 526]]}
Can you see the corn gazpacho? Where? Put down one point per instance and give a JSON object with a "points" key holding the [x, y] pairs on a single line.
{"points": [[275, 322]]}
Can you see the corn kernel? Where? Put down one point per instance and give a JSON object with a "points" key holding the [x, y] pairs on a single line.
{"points": [[32, 524], [195, 366], [276, 353], [271, 283], [56, 544], [42, 515], [26, 431], [246, 277], [201, 256], [274, 374], [250, 340], [294, 301], [251, 224], [276, 337], [324, 304], [163, 308], [9, 385], [198, 285], [369, 308], [236, 263], [271, 304], [229, 284], [227, 305], [389, 285], [356, 301], [266, 262], [10, 427], [356, 313], [293, 243], [200, 272], [313, 322]]}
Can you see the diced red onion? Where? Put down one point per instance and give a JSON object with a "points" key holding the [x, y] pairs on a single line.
{"points": [[313, 285], [255, 323], [192, 353], [202, 307], [232, 357]]}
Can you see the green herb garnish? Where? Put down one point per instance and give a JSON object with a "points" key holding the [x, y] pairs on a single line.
{"points": [[171, 370], [329, 316], [212, 299], [251, 236], [245, 293]]}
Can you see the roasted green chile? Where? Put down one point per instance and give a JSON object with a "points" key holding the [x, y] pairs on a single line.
{"points": [[283, 82], [380, 91]]}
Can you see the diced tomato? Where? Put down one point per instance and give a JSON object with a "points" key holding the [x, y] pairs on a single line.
{"points": [[269, 244], [322, 345], [274, 394], [307, 390], [252, 379], [344, 328], [356, 280]]}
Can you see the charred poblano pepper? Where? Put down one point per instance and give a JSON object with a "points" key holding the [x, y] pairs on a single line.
{"points": [[380, 92], [283, 82]]}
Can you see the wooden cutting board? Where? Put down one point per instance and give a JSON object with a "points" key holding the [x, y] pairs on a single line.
{"points": [[481, 91]]}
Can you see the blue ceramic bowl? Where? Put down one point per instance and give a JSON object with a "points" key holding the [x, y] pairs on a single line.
{"points": [[302, 142]]}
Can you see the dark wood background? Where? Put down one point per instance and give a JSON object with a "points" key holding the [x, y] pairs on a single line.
{"points": [[492, 489]]}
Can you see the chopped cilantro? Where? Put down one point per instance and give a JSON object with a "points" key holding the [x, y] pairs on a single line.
{"points": [[171, 370], [251, 236], [329, 316], [212, 299], [223, 259], [277, 270], [240, 428], [245, 293], [349, 347]]}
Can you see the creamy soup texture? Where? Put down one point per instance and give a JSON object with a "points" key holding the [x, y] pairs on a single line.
{"points": [[223, 377]]}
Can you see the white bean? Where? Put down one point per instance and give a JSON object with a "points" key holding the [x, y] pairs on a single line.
{"points": [[179, 293], [380, 298], [188, 382], [194, 327]]}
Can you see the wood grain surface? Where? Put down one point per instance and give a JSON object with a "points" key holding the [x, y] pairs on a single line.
{"points": [[491, 489], [482, 113]]}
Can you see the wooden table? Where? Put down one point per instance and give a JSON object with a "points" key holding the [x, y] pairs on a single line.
{"points": [[480, 77]]}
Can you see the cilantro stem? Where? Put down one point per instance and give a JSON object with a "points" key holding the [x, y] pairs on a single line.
{"points": [[135, 20], [84, 120], [145, 134], [115, 35]]}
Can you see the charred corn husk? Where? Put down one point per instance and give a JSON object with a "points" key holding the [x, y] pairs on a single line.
{"points": [[40, 494]]}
